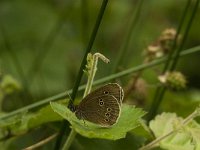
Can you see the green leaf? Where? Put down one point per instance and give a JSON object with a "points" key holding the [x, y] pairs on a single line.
{"points": [[16, 124], [44, 115], [10, 121], [25, 121], [187, 138], [128, 120]]}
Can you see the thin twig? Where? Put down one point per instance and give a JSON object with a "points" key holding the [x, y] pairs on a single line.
{"points": [[102, 80], [34, 146]]}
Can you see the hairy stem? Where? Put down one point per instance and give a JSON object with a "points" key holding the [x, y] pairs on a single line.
{"points": [[91, 74]]}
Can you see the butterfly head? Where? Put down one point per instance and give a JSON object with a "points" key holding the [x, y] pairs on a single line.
{"points": [[72, 107], [79, 114]]}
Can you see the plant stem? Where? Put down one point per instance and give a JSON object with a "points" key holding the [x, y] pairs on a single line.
{"points": [[161, 90], [91, 76], [188, 27], [70, 139], [91, 72], [83, 63], [174, 45], [39, 144], [102, 80]]}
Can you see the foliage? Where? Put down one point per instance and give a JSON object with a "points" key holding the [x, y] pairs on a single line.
{"points": [[128, 120], [186, 138], [42, 44]]}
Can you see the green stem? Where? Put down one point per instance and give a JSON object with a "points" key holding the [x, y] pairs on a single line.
{"points": [[156, 102], [89, 47], [70, 139], [83, 63], [102, 80], [176, 36], [95, 58], [188, 27], [160, 92], [88, 88]]}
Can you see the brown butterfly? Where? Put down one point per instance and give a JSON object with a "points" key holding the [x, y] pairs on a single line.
{"points": [[102, 106]]}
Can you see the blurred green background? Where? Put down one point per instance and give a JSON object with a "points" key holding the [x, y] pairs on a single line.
{"points": [[56, 32]]}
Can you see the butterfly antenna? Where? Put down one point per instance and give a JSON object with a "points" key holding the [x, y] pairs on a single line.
{"points": [[70, 104]]}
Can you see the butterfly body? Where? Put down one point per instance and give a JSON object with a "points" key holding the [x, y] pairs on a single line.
{"points": [[102, 106]]}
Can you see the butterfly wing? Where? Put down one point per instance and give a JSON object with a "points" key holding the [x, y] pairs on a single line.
{"points": [[113, 89], [103, 110]]}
